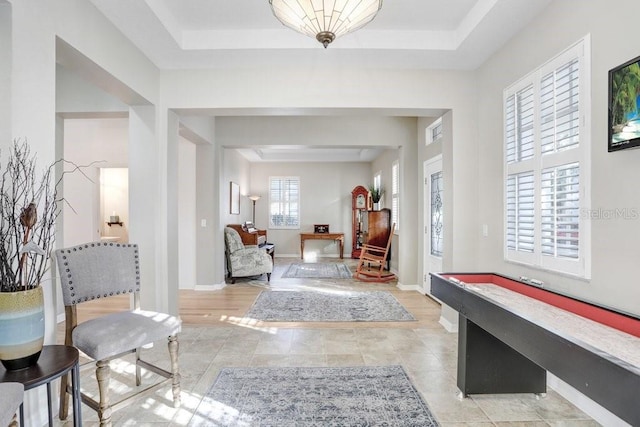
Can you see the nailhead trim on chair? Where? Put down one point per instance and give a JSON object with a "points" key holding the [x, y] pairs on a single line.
{"points": [[79, 248]]}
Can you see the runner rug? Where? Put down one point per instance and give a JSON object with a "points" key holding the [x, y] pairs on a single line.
{"points": [[317, 270], [305, 397], [341, 306]]}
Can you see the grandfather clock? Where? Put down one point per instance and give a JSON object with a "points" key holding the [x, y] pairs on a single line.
{"points": [[359, 197]]}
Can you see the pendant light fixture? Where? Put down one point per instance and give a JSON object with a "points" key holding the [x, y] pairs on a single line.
{"points": [[325, 19]]}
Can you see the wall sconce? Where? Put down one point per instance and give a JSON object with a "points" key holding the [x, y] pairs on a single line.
{"points": [[254, 199]]}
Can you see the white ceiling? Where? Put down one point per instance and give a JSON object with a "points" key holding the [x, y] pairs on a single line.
{"points": [[434, 34], [445, 34]]}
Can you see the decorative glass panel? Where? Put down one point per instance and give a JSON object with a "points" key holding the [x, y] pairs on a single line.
{"points": [[395, 194], [436, 214]]}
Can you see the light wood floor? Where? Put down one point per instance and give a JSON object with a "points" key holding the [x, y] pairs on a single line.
{"points": [[227, 306], [216, 334]]}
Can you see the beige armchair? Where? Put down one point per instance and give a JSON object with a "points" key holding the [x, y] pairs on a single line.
{"points": [[100, 270], [245, 260]]}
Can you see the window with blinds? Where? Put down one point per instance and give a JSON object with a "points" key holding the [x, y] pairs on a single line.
{"points": [[547, 167], [284, 202], [395, 194], [434, 132]]}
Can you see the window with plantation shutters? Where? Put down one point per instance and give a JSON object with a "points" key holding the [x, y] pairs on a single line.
{"points": [[284, 202], [547, 166]]}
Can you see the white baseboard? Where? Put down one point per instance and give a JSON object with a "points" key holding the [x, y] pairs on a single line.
{"points": [[585, 404], [214, 287], [408, 287], [448, 326]]}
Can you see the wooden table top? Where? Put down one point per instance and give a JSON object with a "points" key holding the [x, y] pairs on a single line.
{"points": [[54, 360], [332, 236]]}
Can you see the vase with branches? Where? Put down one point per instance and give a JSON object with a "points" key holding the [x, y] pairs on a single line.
{"points": [[27, 237], [29, 208]]}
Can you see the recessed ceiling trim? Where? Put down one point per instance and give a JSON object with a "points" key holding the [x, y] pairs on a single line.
{"points": [[283, 153], [285, 39], [474, 18], [407, 34]]}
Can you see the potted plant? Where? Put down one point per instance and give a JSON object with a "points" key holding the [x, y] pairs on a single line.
{"points": [[376, 195], [28, 212]]}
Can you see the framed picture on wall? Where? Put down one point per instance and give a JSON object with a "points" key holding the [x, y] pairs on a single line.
{"points": [[624, 106], [235, 198]]}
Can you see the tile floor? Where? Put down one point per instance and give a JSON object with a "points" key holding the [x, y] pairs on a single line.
{"points": [[423, 348]]}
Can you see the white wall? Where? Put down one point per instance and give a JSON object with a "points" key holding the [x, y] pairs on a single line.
{"points": [[325, 190], [187, 214], [100, 143], [75, 94], [5, 71], [615, 240], [237, 169]]}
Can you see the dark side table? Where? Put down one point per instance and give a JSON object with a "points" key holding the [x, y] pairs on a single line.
{"points": [[54, 362], [270, 248]]}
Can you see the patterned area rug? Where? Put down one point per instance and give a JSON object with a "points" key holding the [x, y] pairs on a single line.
{"points": [[315, 270], [344, 306], [305, 397]]}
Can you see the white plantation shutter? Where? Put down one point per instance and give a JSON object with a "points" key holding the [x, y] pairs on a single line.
{"points": [[547, 165], [560, 210], [284, 202], [560, 112], [520, 212], [519, 125]]}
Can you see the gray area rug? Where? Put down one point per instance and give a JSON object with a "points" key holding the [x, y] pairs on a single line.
{"points": [[340, 306], [305, 397], [318, 270]]}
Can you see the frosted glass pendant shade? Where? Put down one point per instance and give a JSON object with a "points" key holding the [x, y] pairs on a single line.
{"points": [[325, 19]]}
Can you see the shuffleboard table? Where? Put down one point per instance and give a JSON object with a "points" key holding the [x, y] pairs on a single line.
{"points": [[511, 332]]}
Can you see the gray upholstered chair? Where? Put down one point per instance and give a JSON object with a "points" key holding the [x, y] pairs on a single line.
{"points": [[243, 261], [12, 396], [100, 270]]}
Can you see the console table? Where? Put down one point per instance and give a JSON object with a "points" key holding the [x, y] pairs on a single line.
{"points": [[338, 237], [54, 362]]}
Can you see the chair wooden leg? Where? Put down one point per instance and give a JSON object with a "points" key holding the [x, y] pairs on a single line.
{"points": [[138, 369], [64, 397], [175, 370], [103, 375]]}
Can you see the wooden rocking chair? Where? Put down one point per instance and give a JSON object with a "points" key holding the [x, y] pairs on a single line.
{"points": [[373, 261]]}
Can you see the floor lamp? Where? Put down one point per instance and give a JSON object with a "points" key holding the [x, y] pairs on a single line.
{"points": [[254, 199]]}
